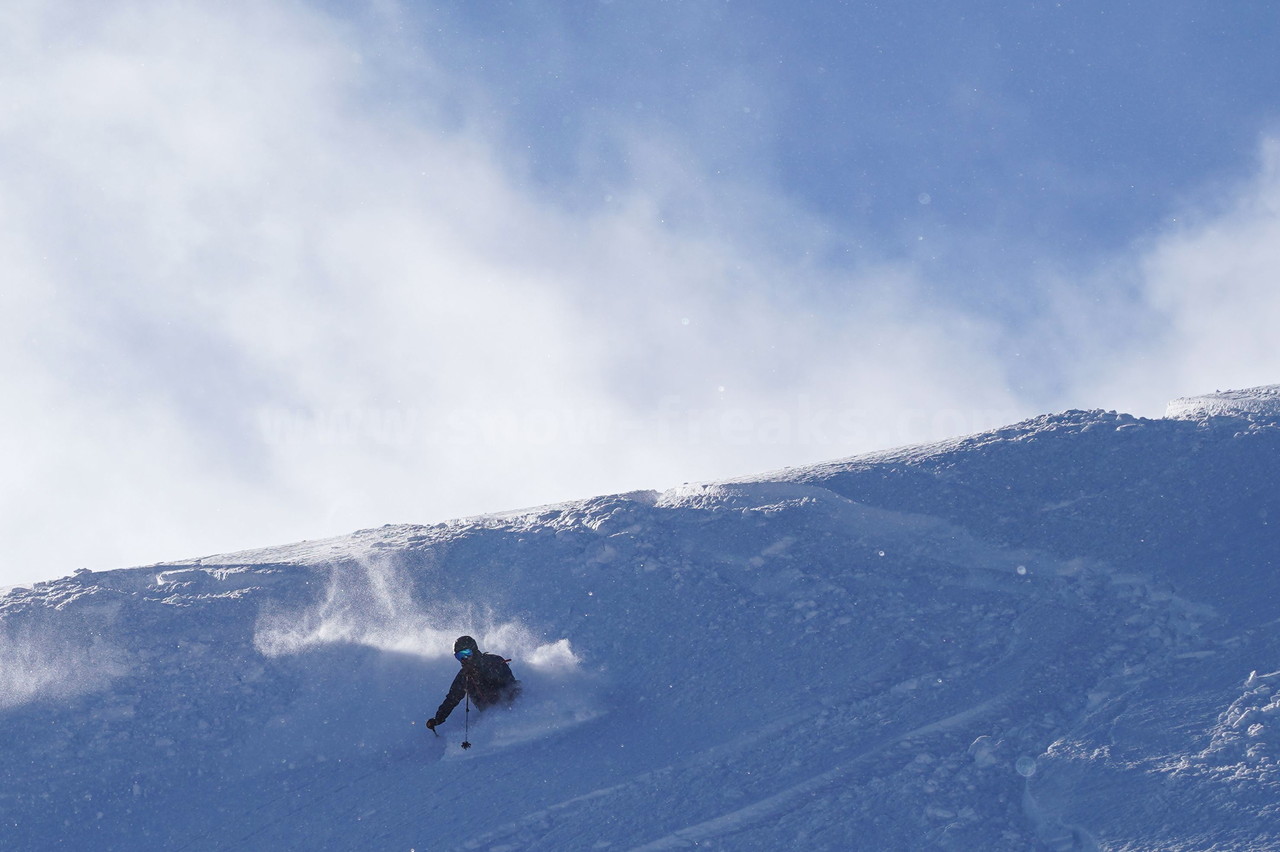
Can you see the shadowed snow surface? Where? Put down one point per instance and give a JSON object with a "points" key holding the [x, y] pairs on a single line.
{"points": [[1060, 635]]}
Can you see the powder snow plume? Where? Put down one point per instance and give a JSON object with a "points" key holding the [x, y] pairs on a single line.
{"points": [[36, 665], [371, 602]]}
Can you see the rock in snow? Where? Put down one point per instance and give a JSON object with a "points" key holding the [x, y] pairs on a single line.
{"points": [[1058, 635]]}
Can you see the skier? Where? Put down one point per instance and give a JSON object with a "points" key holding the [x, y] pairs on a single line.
{"points": [[486, 678]]}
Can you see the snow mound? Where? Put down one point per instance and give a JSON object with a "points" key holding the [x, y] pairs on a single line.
{"points": [[1260, 403]]}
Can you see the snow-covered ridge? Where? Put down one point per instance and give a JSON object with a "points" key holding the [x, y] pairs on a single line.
{"points": [[1260, 404], [1040, 636]]}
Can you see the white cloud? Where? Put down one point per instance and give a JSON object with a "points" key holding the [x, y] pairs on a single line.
{"points": [[1208, 309], [250, 297]]}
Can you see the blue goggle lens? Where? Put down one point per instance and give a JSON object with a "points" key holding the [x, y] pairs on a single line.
{"points": [[464, 655]]}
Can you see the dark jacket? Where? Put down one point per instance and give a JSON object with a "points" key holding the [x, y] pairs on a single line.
{"points": [[487, 679]]}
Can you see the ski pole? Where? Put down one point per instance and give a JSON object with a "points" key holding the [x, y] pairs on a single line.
{"points": [[466, 734]]}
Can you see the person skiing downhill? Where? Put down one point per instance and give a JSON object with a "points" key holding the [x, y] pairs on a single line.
{"points": [[485, 678]]}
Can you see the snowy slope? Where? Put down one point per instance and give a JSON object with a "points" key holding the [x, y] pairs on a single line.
{"points": [[1058, 635]]}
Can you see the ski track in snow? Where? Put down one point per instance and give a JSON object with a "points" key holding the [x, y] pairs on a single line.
{"points": [[765, 809]]}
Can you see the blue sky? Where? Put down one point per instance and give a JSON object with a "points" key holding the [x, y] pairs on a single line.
{"points": [[1050, 129], [276, 271]]}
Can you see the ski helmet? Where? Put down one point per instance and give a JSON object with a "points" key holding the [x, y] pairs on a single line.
{"points": [[465, 642]]}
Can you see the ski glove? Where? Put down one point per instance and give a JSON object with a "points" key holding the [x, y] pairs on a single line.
{"points": [[431, 723]]}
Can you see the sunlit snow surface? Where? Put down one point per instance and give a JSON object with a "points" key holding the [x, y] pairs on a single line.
{"points": [[1060, 635], [1255, 403]]}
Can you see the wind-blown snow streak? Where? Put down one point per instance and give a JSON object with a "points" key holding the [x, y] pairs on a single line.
{"points": [[53, 665]]}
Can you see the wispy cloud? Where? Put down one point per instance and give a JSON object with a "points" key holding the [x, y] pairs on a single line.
{"points": [[1201, 307], [257, 292]]}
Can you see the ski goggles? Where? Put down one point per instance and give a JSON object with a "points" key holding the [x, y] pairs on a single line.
{"points": [[464, 655]]}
